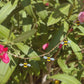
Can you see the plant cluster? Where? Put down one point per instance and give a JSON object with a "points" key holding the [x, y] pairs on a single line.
{"points": [[44, 37]]}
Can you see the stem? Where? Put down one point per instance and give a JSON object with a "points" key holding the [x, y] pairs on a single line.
{"points": [[44, 81], [44, 78], [31, 79]]}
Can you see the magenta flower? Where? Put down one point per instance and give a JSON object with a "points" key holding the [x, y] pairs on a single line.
{"points": [[5, 58], [1, 48], [81, 17], [60, 46], [3, 54], [45, 46], [47, 4]]}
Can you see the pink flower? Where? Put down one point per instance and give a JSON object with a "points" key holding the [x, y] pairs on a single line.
{"points": [[45, 46], [60, 46], [3, 54], [5, 49], [81, 17], [47, 4], [1, 48], [5, 58]]}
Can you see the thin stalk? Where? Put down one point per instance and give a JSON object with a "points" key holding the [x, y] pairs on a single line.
{"points": [[31, 79]]}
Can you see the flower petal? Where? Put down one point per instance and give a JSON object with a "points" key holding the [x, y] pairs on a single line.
{"points": [[1, 48], [5, 49], [5, 58], [0, 57]]}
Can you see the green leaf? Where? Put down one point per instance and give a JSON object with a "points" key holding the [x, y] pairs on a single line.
{"points": [[27, 23], [63, 66], [28, 7], [23, 48], [66, 26], [82, 34], [76, 49], [81, 28], [73, 17], [53, 18], [6, 70], [28, 51], [41, 11], [35, 67], [59, 12], [63, 83], [7, 9], [65, 9], [4, 32], [57, 1], [33, 55], [56, 38], [25, 35], [66, 78]]}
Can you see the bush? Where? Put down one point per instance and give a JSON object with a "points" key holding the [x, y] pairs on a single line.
{"points": [[45, 42]]}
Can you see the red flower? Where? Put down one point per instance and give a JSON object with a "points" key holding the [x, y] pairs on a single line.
{"points": [[47, 4], [5, 58], [60, 46], [3, 54]]}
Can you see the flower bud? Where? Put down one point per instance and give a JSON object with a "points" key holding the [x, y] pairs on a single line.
{"points": [[45, 46]]}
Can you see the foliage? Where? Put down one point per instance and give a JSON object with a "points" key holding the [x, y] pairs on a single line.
{"points": [[25, 25]]}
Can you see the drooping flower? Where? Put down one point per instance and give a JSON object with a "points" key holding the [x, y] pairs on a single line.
{"points": [[81, 17], [3, 54], [45, 46]]}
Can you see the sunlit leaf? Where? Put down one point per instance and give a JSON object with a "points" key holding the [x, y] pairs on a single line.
{"points": [[41, 11], [7, 9], [66, 78], [28, 7], [4, 32], [28, 51], [76, 49], [63, 66], [25, 35], [58, 13], [6, 70]]}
